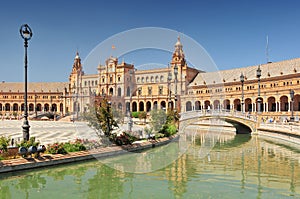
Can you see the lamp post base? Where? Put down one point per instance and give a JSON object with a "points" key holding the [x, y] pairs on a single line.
{"points": [[26, 130], [292, 119]]}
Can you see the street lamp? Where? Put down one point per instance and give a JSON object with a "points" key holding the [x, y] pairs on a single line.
{"points": [[258, 75], [242, 78], [292, 93], [26, 34], [130, 122], [169, 89], [108, 103], [175, 74], [35, 108]]}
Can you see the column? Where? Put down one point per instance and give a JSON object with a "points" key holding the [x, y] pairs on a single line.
{"points": [[267, 107], [276, 109], [254, 107], [279, 107], [289, 103]]}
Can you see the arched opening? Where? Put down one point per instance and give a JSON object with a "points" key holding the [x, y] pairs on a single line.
{"points": [[46, 107], [0, 107], [141, 106], [111, 91], [197, 105], [38, 107], [206, 104], [284, 103], [163, 105], [217, 104], [297, 103], [15, 107], [54, 108], [7, 107], [261, 105], [271, 104], [155, 105], [119, 92], [148, 106], [31, 107], [248, 105], [237, 104], [22, 107], [127, 104], [61, 107], [188, 106], [134, 106], [120, 106], [227, 104]]}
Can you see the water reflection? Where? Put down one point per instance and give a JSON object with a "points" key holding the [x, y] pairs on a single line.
{"points": [[236, 166]]}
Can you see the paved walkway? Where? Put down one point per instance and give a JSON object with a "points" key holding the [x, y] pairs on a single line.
{"points": [[52, 131], [48, 131]]}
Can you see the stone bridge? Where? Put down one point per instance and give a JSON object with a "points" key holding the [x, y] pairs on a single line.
{"points": [[243, 122]]}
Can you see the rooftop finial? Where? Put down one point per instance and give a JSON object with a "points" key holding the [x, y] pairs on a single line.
{"points": [[77, 55]]}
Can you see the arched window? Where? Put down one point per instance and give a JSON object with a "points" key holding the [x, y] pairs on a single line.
{"points": [[128, 91], [161, 78], [111, 91], [119, 92], [156, 79]]}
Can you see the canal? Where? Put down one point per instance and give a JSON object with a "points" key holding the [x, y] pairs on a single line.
{"points": [[199, 165]]}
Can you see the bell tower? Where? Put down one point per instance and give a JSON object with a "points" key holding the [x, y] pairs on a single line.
{"points": [[179, 69], [75, 81]]}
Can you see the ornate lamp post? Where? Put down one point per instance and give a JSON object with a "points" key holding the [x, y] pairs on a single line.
{"points": [[292, 93], [175, 74], [169, 89], [130, 122], [258, 75], [26, 34], [108, 118], [242, 78]]}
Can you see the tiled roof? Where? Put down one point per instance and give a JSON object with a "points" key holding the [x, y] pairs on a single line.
{"points": [[33, 86], [275, 69]]}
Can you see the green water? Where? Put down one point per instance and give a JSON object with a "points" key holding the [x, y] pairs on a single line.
{"points": [[208, 166]]}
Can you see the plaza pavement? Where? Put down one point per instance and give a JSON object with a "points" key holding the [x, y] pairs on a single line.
{"points": [[47, 132]]}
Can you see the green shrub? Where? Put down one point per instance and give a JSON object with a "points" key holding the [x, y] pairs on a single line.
{"points": [[171, 129], [30, 142], [56, 148], [135, 114], [4, 142], [73, 147]]}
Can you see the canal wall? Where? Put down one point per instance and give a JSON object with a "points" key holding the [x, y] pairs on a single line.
{"points": [[57, 159]]}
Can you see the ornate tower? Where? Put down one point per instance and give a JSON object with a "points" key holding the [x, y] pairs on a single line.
{"points": [[75, 87]]}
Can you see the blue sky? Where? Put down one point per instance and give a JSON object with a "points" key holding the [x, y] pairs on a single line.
{"points": [[232, 32]]}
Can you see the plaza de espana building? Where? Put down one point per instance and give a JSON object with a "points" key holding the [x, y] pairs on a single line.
{"points": [[177, 86]]}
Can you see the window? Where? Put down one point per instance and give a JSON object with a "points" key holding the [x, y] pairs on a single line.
{"points": [[85, 83], [161, 78], [119, 78], [152, 79], [149, 90], [160, 90], [138, 80], [140, 91], [147, 79], [142, 79]]}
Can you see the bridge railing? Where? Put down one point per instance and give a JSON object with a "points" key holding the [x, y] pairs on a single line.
{"points": [[218, 112]]}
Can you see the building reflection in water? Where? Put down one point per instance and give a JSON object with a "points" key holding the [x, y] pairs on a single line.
{"points": [[235, 164]]}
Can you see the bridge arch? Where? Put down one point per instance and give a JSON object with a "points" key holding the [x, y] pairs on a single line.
{"points": [[243, 125]]}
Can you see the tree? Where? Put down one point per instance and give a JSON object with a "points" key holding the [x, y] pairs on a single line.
{"points": [[143, 115], [101, 118], [158, 119]]}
